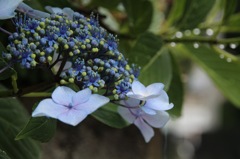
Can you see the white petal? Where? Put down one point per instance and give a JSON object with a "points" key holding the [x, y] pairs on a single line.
{"points": [[54, 10], [81, 96], [139, 88], [7, 8], [95, 101], [69, 12], [48, 108], [32, 12], [159, 103], [155, 89], [63, 95], [145, 129], [126, 114], [158, 120], [72, 116]]}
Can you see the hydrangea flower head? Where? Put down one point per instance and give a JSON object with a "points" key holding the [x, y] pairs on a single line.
{"points": [[68, 106], [70, 39]]}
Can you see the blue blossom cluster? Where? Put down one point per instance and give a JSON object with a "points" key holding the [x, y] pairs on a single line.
{"points": [[54, 41]]}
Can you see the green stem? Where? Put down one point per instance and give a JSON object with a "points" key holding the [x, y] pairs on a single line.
{"points": [[9, 93], [14, 83], [37, 94]]}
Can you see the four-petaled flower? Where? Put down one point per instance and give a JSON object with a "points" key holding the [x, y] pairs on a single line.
{"points": [[135, 115], [68, 106], [7, 8], [153, 97]]}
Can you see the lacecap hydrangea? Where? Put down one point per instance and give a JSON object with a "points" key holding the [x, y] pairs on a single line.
{"points": [[77, 50]]}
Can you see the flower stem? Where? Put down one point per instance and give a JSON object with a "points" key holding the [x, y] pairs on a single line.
{"points": [[203, 40], [14, 83], [3, 69], [5, 31], [37, 94], [62, 65]]}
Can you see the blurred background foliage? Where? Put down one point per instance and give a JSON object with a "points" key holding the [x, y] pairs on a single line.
{"points": [[164, 37]]}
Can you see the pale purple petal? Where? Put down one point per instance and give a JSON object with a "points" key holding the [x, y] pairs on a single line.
{"points": [[72, 116], [155, 89], [7, 8], [126, 114], [136, 96], [148, 110], [48, 108], [66, 66], [159, 103], [32, 12], [95, 101], [130, 102], [63, 95], [145, 129], [81, 96], [139, 88], [58, 64], [158, 120], [54, 10], [69, 12]]}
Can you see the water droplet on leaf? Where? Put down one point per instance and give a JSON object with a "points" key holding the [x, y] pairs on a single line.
{"points": [[196, 45], [173, 44], [233, 46], [229, 59], [196, 31], [187, 32], [221, 46], [179, 34], [221, 56], [209, 32]]}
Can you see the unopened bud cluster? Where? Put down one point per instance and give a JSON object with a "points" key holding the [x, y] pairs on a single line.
{"points": [[95, 59]]}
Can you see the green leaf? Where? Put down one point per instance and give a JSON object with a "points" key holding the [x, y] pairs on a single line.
{"points": [[195, 12], [229, 8], [222, 67], [139, 13], [110, 4], [146, 46], [176, 11], [3, 155], [40, 128], [12, 117], [155, 62], [110, 116], [220, 13], [232, 24], [175, 91], [158, 69]]}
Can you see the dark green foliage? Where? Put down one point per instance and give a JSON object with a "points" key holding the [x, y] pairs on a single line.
{"points": [[40, 128], [110, 118], [12, 118]]}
